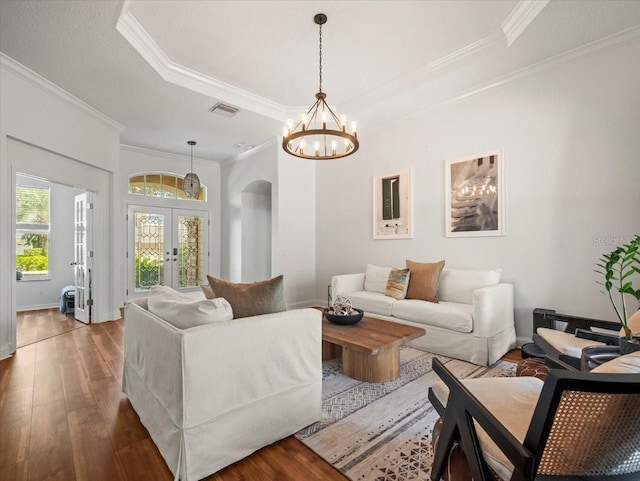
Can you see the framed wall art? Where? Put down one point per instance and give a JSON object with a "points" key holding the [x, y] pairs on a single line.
{"points": [[474, 192], [392, 206]]}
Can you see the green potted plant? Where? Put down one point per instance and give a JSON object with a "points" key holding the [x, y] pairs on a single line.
{"points": [[619, 268]]}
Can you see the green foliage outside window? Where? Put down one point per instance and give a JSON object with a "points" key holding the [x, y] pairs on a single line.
{"points": [[148, 272], [32, 230], [29, 263]]}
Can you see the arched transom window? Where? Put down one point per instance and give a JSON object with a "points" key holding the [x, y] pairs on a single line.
{"points": [[168, 186]]}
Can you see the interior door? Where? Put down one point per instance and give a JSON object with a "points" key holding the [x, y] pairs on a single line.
{"points": [[83, 255], [166, 247]]}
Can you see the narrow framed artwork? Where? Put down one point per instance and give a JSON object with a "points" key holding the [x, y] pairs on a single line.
{"points": [[392, 218], [474, 195]]}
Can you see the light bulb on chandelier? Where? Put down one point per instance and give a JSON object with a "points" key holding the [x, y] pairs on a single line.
{"points": [[320, 126]]}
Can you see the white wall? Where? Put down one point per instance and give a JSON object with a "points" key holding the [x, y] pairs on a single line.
{"points": [[572, 149], [293, 224], [256, 232], [297, 227], [39, 294], [259, 164], [55, 131]]}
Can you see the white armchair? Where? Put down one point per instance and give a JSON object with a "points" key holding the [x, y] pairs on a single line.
{"points": [[212, 394]]}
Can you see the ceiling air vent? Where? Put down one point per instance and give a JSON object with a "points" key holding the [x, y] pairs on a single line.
{"points": [[224, 110]]}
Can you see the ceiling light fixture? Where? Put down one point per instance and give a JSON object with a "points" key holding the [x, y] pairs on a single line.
{"points": [[321, 134], [191, 183]]}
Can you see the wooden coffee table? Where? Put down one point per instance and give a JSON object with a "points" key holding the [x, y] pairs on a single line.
{"points": [[370, 349]]}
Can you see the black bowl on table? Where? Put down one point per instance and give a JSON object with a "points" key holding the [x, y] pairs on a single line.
{"points": [[344, 320]]}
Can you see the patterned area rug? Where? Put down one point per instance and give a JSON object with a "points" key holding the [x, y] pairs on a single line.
{"points": [[382, 431]]}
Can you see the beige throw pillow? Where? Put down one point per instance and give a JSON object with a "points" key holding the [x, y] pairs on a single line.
{"points": [[627, 364], [264, 297], [397, 283], [207, 291], [183, 311], [423, 283], [375, 278], [634, 324]]}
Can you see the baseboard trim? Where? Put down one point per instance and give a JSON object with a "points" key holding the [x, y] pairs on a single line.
{"points": [[38, 307], [6, 350], [307, 303]]}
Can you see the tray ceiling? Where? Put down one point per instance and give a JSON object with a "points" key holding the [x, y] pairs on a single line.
{"points": [[157, 67]]}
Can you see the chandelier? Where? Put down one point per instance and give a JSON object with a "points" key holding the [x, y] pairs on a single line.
{"points": [[321, 134], [191, 182]]}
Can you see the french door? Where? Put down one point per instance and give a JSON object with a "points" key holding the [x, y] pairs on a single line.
{"points": [[166, 246], [83, 256]]}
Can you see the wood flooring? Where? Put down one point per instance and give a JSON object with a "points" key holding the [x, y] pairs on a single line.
{"points": [[34, 326], [63, 417]]}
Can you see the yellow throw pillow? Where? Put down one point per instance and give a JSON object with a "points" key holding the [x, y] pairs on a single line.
{"points": [[397, 283], [248, 300], [424, 280]]}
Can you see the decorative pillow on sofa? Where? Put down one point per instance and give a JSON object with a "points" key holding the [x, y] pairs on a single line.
{"points": [[207, 291], [397, 283], [457, 285], [424, 280], [376, 277], [248, 300], [183, 312]]}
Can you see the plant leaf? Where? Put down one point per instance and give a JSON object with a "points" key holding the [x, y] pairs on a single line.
{"points": [[627, 274], [627, 289]]}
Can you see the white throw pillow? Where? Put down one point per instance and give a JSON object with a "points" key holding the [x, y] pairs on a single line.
{"points": [[457, 285], [183, 311], [376, 277]]}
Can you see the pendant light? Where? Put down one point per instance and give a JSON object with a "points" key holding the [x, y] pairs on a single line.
{"points": [[191, 183], [321, 134]]}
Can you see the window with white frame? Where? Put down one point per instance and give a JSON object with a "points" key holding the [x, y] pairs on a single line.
{"points": [[32, 232]]}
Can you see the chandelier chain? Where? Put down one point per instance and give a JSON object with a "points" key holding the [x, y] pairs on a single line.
{"points": [[320, 63], [191, 182]]}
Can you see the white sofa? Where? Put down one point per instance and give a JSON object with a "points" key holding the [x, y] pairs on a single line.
{"points": [[472, 321], [212, 394]]}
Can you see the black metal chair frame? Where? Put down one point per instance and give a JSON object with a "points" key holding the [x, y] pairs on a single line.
{"points": [[580, 326], [463, 408]]}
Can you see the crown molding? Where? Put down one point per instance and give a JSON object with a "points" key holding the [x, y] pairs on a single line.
{"points": [[188, 78], [592, 49], [421, 76], [520, 18], [166, 155], [16, 68], [598, 47]]}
